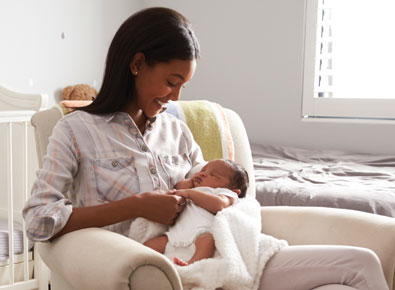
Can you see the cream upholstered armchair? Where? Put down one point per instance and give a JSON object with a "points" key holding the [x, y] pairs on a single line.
{"points": [[98, 259]]}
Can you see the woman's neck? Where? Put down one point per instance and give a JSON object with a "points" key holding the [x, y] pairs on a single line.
{"points": [[138, 116]]}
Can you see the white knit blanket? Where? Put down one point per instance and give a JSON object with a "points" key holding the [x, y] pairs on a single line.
{"points": [[241, 250]]}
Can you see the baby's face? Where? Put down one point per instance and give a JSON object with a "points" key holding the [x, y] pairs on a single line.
{"points": [[216, 173]]}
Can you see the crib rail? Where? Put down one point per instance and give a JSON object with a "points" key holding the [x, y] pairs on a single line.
{"points": [[11, 213], [16, 110], [25, 285]]}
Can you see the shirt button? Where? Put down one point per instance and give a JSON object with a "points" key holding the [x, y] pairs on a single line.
{"points": [[114, 163], [144, 148], [153, 170]]}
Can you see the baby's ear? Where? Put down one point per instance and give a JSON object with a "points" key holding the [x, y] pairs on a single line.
{"points": [[238, 191]]}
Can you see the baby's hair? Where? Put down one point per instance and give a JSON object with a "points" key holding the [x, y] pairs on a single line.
{"points": [[240, 179]]}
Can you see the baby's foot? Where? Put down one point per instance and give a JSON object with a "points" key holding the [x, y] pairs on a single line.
{"points": [[180, 262]]}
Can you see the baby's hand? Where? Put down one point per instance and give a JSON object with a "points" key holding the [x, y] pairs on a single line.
{"points": [[185, 184], [163, 191], [171, 191], [183, 192]]}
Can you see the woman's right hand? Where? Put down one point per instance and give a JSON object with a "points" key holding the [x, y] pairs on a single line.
{"points": [[161, 206]]}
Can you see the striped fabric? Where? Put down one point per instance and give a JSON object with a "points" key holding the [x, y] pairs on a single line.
{"points": [[206, 120], [94, 159], [18, 239], [209, 126]]}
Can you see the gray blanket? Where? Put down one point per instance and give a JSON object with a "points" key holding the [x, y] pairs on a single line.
{"points": [[298, 177]]}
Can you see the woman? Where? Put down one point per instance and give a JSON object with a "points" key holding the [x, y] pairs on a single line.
{"points": [[113, 160]]}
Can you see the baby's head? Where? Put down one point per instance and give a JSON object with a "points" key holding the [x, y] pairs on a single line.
{"points": [[223, 173]]}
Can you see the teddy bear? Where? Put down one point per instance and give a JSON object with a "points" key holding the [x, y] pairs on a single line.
{"points": [[80, 92]]}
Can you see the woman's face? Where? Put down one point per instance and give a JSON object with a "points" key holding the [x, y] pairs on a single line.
{"points": [[158, 84]]}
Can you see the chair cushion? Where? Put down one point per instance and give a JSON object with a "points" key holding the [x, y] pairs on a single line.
{"points": [[209, 125]]}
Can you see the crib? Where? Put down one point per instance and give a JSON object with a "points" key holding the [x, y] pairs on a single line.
{"points": [[23, 269]]}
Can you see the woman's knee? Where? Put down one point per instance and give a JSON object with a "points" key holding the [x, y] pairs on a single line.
{"points": [[364, 256]]}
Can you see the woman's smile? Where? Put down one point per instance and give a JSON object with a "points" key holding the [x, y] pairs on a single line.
{"points": [[161, 105], [156, 85]]}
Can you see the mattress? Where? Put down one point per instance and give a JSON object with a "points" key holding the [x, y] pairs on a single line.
{"points": [[299, 177], [18, 239], [18, 256], [18, 269]]}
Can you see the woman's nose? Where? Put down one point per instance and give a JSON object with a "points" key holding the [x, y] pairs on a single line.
{"points": [[175, 95]]}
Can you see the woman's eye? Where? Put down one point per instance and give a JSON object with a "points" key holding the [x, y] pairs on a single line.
{"points": [[171, 84]]}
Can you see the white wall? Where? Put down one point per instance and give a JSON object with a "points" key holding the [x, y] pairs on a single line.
{"points": [[252, 62], [34, 56]]}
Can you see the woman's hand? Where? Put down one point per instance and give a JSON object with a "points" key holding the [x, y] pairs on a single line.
{"points": [[160, 206]]}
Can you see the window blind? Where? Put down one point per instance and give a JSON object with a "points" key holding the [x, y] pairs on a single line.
{"points": [[323, 85], [349, 59]]}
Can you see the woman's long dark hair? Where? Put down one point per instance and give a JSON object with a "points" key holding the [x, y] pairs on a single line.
{"points": [[161, 34]]}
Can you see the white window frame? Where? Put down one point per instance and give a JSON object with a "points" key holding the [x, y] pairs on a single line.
{"points": [[314, 107]]}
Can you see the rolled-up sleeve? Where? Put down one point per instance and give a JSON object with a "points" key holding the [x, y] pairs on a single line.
{"points": [[48, 208]]}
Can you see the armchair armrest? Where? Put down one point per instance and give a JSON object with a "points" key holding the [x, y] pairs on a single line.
{"points": [[332, 226], [95, 258]]}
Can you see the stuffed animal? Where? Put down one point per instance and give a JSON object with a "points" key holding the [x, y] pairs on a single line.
{"points": [[79, 92]]}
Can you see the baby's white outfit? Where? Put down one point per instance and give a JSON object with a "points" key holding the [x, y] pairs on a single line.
{"points": [[191, 223]]}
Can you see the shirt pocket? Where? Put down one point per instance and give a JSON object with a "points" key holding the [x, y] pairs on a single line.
{"points": [[116, 178], [176, 167]]}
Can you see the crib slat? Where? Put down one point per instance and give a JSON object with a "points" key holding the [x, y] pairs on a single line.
{"points": [[10, 205], [25, 197]]}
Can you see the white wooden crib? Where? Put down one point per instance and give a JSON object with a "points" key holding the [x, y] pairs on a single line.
{"points": [[18, 162]]}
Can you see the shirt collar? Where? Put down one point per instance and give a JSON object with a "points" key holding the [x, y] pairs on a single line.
{"points": [[108, 118]]}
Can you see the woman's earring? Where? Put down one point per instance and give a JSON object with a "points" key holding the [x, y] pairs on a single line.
{"points": [[135, 73]]}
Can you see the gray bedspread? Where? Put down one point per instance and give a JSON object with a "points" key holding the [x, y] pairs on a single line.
{"points": [[298, 177]]}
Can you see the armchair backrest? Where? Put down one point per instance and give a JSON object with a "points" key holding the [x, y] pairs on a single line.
{"points": [[242, 147], [44, 122]]}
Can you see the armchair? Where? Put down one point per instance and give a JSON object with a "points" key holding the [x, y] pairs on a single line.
{"points": [[98, 259]]}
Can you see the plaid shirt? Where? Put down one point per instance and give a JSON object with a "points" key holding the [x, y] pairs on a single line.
{"points": [[94, 159]]}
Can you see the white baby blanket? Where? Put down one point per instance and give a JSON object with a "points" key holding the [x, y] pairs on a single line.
{"points": [[241, 249]]}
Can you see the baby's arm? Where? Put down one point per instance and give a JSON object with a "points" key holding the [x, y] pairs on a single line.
{"points": [[211, 202], [185, 184]]}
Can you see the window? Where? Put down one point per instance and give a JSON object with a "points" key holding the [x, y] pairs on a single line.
{"points": [[349, 64]]}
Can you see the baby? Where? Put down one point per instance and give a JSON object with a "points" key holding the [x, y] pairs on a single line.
{"points": [[218, 185]]}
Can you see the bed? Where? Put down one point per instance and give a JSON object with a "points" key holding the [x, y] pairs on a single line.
{"points": [[298, 177], [23, 269]]}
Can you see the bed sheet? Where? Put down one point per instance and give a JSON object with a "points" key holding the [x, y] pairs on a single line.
{"points": [[299, 177]]}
